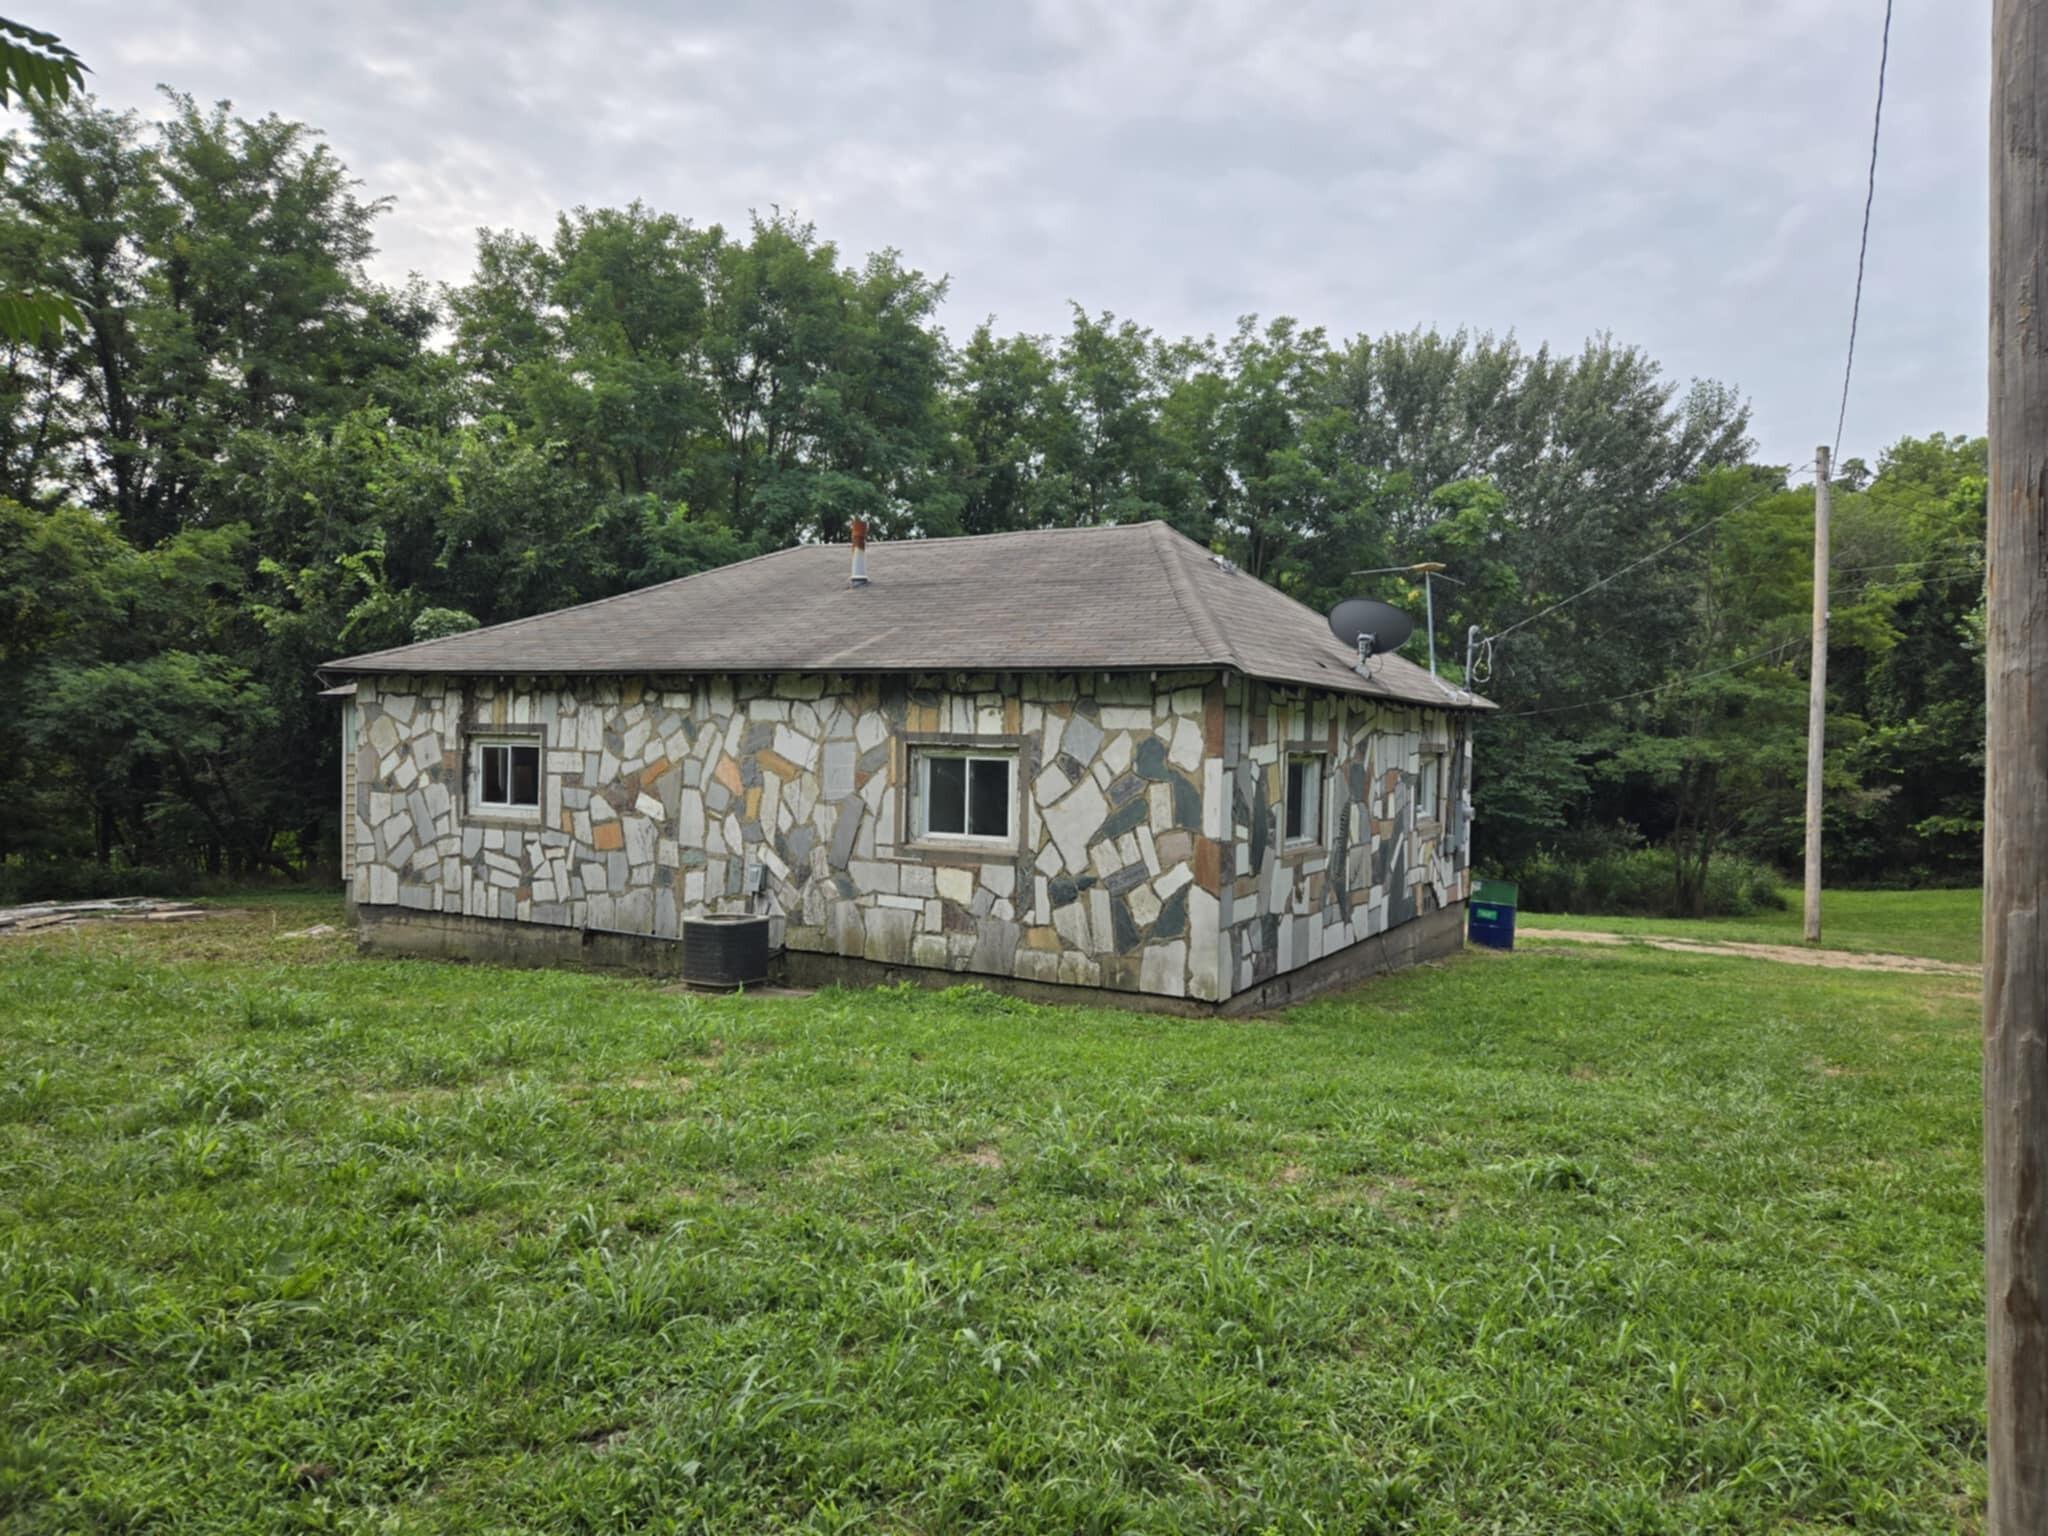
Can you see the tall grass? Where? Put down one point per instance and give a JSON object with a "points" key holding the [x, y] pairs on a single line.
{"points": [[1604, 1241]]}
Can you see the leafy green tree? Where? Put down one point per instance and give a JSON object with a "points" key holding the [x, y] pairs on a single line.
{"points": [[1721, 747], [248, 458], [595, 341], [218, 265], [759, 380], [1911, 563], [1005, 414], [35, 68]]}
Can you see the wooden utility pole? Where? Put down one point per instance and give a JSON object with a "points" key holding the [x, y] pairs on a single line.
{"points": [[2016, 781], [1817, 690]]}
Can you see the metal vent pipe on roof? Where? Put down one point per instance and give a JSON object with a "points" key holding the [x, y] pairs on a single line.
{"points": [[860, 554]]}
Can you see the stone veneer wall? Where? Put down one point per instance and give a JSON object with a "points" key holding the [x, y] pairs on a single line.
{"points": [[1139, 803], [1375, 865], [658, 794]]}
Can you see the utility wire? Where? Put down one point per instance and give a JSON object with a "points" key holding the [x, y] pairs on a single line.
{"points": [[1612, 576], [1676, 682], [1863, 245], [1900, 565]]}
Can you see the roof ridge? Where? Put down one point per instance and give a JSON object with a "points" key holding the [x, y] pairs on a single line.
{"points": [[1000, 533], [1192, 608], [595, 602], [769, 554]]}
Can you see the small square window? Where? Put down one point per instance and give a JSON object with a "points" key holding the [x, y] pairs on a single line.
{"points": [[505, 775], [967, 795], [1303, 803]]}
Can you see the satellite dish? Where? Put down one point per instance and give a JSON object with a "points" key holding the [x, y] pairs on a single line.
{"points": [[1356, 619]]}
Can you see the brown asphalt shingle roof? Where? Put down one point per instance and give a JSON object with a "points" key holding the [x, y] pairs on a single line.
{"points": [[1130, 597]]}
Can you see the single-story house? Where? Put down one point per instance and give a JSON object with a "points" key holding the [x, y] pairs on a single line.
{"points": [[1069, 758]]}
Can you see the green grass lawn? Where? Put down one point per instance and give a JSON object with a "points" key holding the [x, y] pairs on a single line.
{"points": [[1603, 1240], [1941, 925]]}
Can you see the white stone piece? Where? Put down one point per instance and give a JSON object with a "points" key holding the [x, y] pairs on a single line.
{"points": [[1072, 820]]}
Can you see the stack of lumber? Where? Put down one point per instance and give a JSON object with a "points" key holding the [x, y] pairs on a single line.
{"points": [[61, 914]]}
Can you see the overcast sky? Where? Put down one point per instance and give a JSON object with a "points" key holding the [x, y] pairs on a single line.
{"points": [[1686, 175]]}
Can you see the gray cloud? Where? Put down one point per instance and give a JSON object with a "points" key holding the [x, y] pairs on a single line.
{"points": [[1688, 177]]}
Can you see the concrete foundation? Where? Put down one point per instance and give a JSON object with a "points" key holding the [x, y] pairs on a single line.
{"points": [[382, 930], [388, 930]]}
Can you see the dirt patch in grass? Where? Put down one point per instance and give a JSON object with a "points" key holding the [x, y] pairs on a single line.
{"points": [[1788, 954]]}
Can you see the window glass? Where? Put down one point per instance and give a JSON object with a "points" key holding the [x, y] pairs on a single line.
{"points": [[493, 792], [945, 802], [507, 775], [1302, 814], [964, 794], [988, 797], [525, 775], [1430, 787]]}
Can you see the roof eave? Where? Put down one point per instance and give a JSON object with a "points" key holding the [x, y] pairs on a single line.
{"points": [[1460, 700]]}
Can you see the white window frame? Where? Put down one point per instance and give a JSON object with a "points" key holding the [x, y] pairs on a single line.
{"points": [[1316, 812], [921, 759], [1430, 772], [519, 810]]}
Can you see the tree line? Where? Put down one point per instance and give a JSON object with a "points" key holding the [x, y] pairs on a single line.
{"points": [[247, 457]]}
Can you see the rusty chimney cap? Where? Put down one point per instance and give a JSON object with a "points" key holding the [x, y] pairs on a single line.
{"points": [[859, 578]]}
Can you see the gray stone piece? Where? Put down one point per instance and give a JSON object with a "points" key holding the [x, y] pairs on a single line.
{"points": [[995, 946], [1125, 818], [839, 761], [635, 911], [1124, 879], [1172, 921], [797, 844], [1261, 819], [641, 835], [422, 817], [1123, 926], [846, 829], [1150, 761], [889, 933], [1081, 740]]}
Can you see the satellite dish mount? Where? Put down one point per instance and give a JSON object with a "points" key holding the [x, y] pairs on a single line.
{"points": [[1370, 627]]}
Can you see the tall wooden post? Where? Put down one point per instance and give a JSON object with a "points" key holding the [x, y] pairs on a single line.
{"points": [[1817, 690], [2016, 781]]}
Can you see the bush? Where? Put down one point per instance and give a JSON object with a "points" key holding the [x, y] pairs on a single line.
{"points": [[24, 880], [1643, 882]]}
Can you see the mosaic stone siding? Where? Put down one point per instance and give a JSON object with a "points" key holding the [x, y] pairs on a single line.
{"points": [[1374, 863], [1139, 803]]}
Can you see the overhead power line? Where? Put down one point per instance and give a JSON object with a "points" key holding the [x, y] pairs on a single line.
{"points": [[1863, 245], [1900, 565], [1677, 682], [1613, 576]]}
